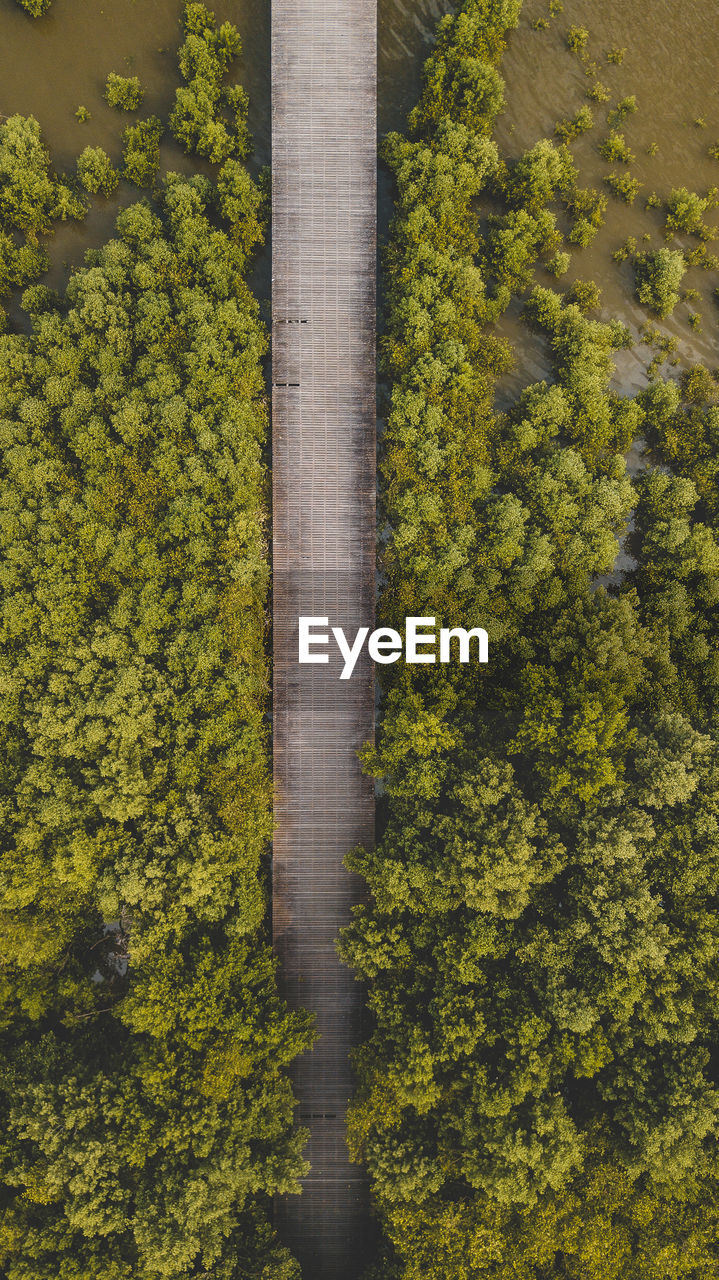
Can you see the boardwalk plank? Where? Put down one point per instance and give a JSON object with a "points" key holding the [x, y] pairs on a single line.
{"points": [[323, 402]]}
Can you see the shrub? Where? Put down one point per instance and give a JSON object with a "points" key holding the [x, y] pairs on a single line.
{"points": [[32, 197], [209, 118], [141, 151], [35, 8], [585, 294], [123, 92], [96, 172], [624, 108], [138, 1005], [559, 264], [576, 125], [699, 385], [614, 147], [626, 250], [623, 186], [577, 38], [537, 1093], [657, 278], [682, 424], [240, 200], [684, 212], [539, 176], [135, 675], [586, 207]]}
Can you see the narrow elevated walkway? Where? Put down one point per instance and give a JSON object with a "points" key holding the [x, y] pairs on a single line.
{"points": [[323, 403]]}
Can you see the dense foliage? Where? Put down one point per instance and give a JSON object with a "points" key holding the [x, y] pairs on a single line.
{"points": [[32, 197], [123, 92], [209, 117], [539, 1095], [146, 1109], [658, 277], [96, 172], [141, 151]]}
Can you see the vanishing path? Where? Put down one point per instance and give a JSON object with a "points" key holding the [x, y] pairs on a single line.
{"points": [[323, 438]]}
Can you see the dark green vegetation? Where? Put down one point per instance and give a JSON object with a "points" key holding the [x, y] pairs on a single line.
{"points": [[146, 1111], [539, 1096]]}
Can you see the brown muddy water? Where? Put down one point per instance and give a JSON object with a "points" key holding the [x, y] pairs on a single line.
{"points": [[51, 66], [670, 66]]}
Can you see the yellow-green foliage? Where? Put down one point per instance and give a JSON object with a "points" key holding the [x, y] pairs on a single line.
{"points": [[123, 92], [135, 684], [141, 151], [209, 117], [96, 173], [658, 277], [144, 1099], [32, 198], [35, 8], [538, 1096]]}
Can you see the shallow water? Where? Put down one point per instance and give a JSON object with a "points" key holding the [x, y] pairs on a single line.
{"points": [[406, 31], [50, 66], [672, 52]]}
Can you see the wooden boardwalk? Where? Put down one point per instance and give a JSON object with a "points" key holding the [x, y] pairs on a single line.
{"points": [[323, 439]]}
